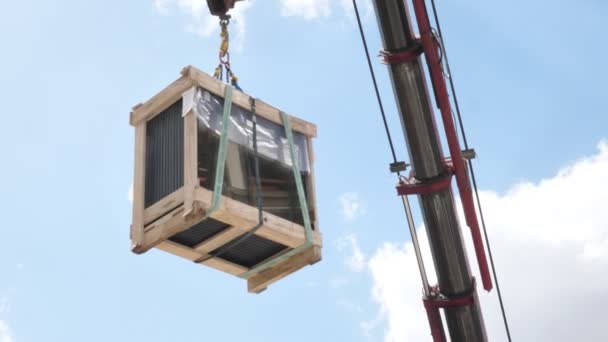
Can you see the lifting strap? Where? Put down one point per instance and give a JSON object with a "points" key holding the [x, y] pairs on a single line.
{"points": [[258, 178], [303, 206], [221, 153], [298, 177], [258, 184]]}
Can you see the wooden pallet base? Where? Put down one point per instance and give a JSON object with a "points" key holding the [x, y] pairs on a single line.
{"points": [[241, 218], [259, 282]]}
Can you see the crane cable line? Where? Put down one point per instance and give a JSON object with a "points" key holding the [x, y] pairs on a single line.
{"points": [[470, 162], [373, 75]]}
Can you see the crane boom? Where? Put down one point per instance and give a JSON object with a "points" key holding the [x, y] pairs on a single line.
{"points": [[456, 285]]}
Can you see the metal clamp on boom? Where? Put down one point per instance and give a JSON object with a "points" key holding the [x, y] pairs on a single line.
{"points": [[435, 301], [393, 57], [413, 186]]}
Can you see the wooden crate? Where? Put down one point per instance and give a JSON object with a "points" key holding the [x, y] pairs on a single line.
{"points": [[184, 210]]}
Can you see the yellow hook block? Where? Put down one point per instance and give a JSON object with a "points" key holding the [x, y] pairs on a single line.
{"points": [[225, 40]]}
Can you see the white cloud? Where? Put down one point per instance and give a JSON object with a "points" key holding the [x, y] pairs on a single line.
{"points": [[368, 326], [337, 282], [349, 305], [397, 290], [5, 332], [203, 23], [308, 9], [163, 6], [550, 243], [4, 305], [318, 9], [352, 206], [366, 8], [356, 259]]}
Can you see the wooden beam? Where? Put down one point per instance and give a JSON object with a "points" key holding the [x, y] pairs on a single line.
{"points": [[139, 181], [219, 240], [311, 185], [167, 226], [190, 149], [225, 266], [190, 254], [241, 215], [241, 99], [262, 280], [159, 102], [179, 250], [163, 206]]}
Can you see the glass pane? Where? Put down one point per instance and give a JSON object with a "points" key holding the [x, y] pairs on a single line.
{"points": [[279, 192]]}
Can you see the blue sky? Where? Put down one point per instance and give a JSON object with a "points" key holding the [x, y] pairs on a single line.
{"points": [[530, 79]]}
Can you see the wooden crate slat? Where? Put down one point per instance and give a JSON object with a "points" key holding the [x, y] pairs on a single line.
{"points": [[310, 185], [190, 150], [219, 240], [169, 225], [260, 281], [161, 207], [146, 111], [239, 214], [190, 254], [139, 178], [242, 100]]}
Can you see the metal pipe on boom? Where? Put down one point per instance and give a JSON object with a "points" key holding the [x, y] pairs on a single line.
{"points": [[457, 294]]}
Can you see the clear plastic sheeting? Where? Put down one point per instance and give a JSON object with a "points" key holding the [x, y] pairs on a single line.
{"points": [[272, 142]]}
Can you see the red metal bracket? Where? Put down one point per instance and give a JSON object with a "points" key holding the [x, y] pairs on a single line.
{"points": [[431, 52], [408, 55], [434, 304], [423, 188]]}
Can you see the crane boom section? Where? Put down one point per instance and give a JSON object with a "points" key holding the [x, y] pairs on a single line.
{"points": [[403, 48]]}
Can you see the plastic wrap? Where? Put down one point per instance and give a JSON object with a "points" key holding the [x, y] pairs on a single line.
{"points": [[272, 142]]}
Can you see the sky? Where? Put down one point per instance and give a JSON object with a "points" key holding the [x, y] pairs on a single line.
{"points": [[530, 79]]}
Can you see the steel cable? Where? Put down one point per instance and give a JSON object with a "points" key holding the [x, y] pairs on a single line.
{"points": [[373, 75]]}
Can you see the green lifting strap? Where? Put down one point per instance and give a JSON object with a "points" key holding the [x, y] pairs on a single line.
{"points": [[221, 153], [303, 206]]}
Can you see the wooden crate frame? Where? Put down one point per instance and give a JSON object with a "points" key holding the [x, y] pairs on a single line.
{"points": [[153, 226]]}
